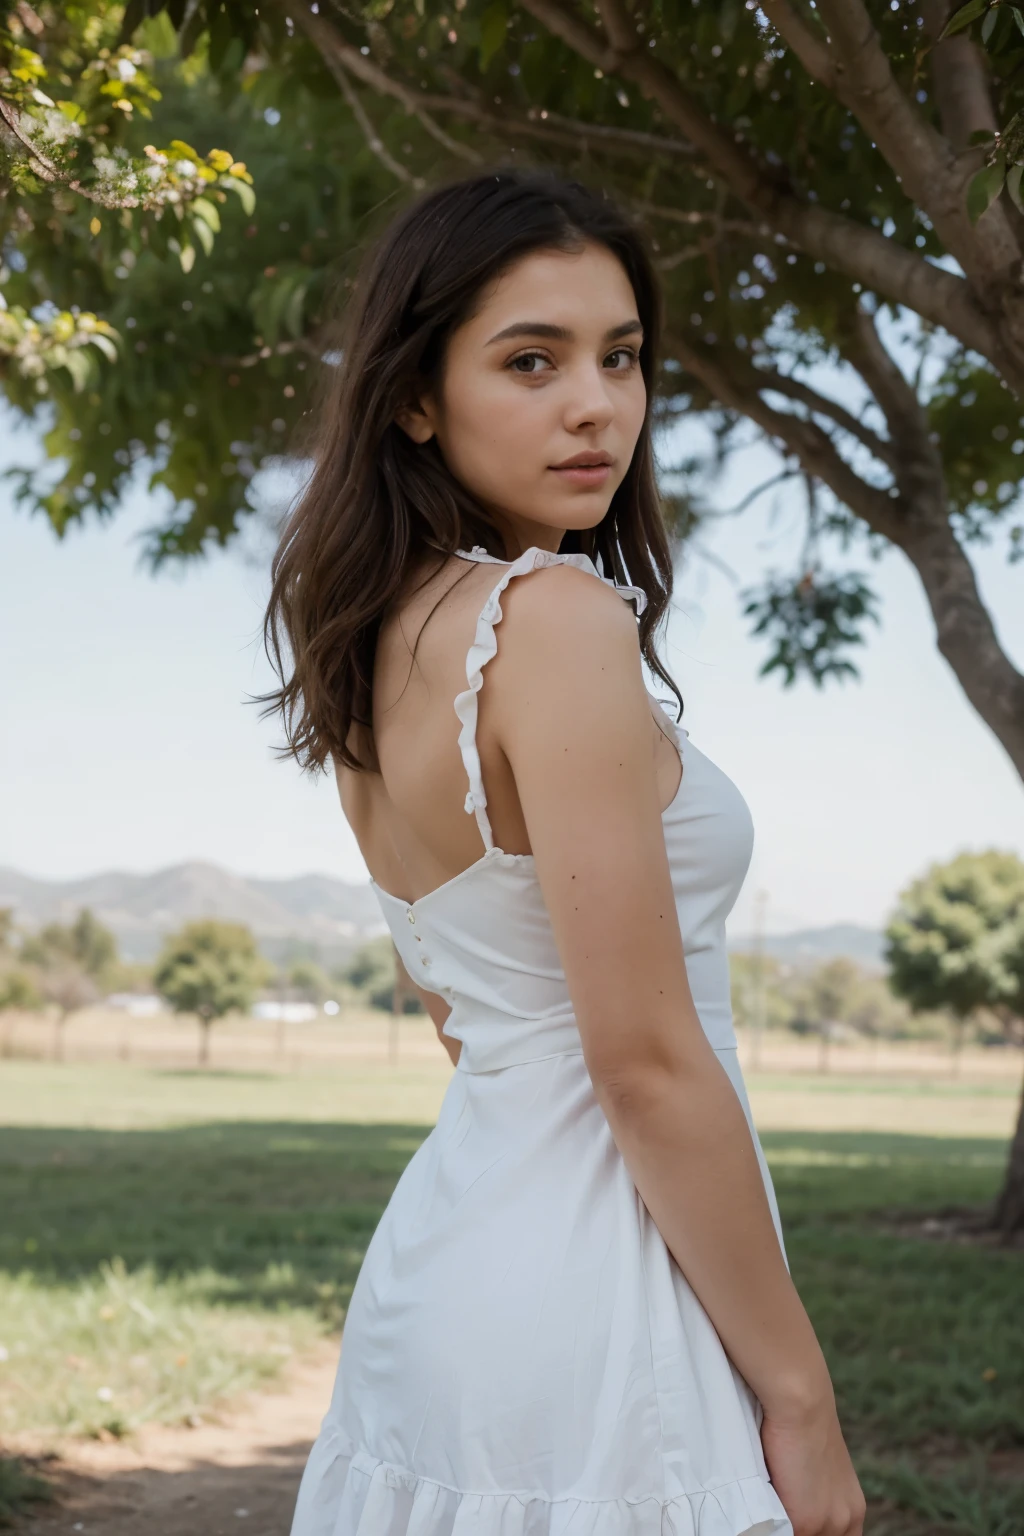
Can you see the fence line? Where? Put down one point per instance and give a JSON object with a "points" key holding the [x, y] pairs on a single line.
{"points": [[365, 1036]]}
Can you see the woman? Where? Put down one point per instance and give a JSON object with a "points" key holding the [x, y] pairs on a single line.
{"points": [[575, 1315]]}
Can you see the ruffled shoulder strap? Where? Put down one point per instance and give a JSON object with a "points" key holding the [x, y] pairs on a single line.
{"points": [[485, 647]]}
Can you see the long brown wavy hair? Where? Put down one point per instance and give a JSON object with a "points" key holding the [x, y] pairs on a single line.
{"points": [[378, 506]]}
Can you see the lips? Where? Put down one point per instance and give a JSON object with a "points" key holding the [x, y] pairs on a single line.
{"points": [[586, 461], [586, 471]]}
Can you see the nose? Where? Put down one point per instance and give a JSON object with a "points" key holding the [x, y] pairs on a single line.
{"points": [[589, 402]]}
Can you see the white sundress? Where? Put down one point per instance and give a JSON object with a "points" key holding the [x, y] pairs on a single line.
{"points": [[522, 1356]]}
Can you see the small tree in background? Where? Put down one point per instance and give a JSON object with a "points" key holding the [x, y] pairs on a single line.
{"points": [[210, 969], [956, 941], [308, 980], [373, 974], [828, 1001], [73, 965]]}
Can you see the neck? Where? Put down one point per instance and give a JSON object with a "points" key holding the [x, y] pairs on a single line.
{"points": [[521, 534]]}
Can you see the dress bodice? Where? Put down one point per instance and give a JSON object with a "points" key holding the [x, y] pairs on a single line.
{"points": [[483, 940]]}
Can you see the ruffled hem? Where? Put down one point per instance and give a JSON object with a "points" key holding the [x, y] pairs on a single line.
{"points": [[348, 1492], [485, 648]]}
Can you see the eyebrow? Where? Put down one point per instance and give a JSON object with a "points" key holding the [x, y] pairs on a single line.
{"points": [[561, 332]]}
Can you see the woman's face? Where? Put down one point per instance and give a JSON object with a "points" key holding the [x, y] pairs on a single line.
{"points": [[541, 399]]}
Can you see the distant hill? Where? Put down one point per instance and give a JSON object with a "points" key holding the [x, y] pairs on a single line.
{"points": [[307, 913], [810, 946], [310, 911]]}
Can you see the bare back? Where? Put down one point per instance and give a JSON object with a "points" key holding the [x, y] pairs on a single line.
{"points": [[410, 818]]}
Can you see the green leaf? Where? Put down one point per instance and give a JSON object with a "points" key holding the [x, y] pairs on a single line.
{"points": [[105, 345], [208, 212], [294, 311], [964, 16], [245, 192], [493, 30], [187, 257], [985, 188], [204, 234], [988, 26], [78, 365], [1019, 19], [1013, 176]]}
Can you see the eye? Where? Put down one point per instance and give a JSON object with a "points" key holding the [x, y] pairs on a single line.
{"points": [[622, 359], [529, 363]]}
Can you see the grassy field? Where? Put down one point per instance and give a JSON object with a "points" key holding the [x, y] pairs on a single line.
{"points": [[169, 1238]]}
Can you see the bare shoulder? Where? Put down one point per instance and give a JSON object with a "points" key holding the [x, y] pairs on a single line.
{"points": [[561, 611]]}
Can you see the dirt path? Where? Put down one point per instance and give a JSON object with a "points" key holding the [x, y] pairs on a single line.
{"points": [[238, 1475]]}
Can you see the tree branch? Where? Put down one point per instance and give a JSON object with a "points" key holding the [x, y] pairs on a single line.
{"points": [[863, 80], [45, 169], [740, 390], [692, 216], [924, 161], [370, 133], [553, 15], [864, 254], [914, 521], [810, 49], [960, 79], [898, 399], [551, 129], [821, 405], [336, 53], [685, 253]]}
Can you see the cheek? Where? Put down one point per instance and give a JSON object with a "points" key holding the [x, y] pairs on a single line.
{"points": [[494, 428]]}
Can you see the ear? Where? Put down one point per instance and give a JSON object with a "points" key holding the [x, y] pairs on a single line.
{"points": [[417, 420]]}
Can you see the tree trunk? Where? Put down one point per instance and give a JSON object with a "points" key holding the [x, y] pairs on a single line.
{"points": [[824, 1047], [204, 1041], [965, 633], [1009, 1211]]}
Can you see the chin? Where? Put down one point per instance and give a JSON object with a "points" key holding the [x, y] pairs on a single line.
{"points": [[581, 517]]}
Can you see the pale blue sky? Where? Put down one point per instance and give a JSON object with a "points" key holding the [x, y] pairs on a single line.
{"points": [[127, 743]]}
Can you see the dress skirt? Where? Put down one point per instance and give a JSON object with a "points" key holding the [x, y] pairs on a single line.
{"points": [[522, 1356]]}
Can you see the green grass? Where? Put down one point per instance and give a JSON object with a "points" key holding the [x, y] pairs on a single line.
{"points": [[20, 1487], [167, 1239]]}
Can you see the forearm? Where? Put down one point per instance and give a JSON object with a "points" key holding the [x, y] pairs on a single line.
{"points": [[686, 1142]]}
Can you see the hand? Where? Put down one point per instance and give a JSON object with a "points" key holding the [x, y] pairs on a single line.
{"points": [[812, 1473]]}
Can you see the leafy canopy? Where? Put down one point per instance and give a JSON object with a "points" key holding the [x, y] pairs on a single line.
{"points": [[957, 938], [797, 238], [75, 97], [85, 944], [210, 969]]}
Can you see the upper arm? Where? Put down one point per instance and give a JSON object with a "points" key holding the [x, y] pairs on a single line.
{"points": [[577, 733]]}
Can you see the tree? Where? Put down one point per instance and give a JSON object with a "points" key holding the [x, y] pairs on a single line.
{"points": [[210, 969], [374, 972], [309, 980], [956, 941], [72, 964], [18, 991], [71, 153], [826, 1000], [813, 179]]}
